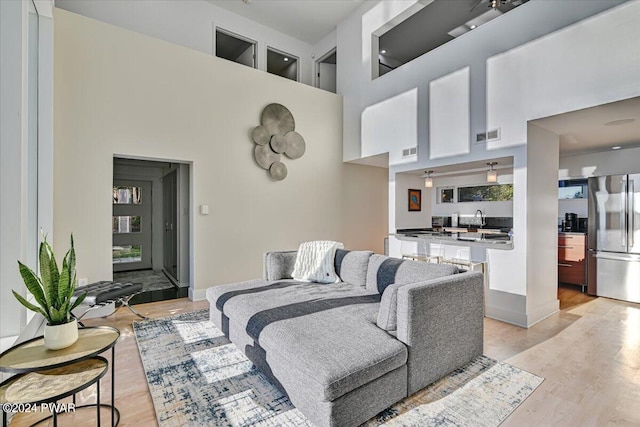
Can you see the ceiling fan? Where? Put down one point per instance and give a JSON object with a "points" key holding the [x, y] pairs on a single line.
{"points": [[493, 4]]}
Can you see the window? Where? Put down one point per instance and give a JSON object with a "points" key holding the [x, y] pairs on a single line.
{"points": [[127, 253], [446, 195], [486, 193], [127, 195], [235, 48], [126, 224], [572, 189], [282, 64]]}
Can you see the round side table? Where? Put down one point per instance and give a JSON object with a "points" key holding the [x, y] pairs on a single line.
{"points": [[32, 356]]}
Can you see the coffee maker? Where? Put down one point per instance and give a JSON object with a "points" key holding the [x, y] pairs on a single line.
{"points": [[570, 222]]}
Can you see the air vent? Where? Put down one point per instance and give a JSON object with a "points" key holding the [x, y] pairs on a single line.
{"points": [[410, 152], [492, 135]]}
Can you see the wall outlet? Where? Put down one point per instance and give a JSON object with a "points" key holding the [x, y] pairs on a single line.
{"points": [[83, 282]]}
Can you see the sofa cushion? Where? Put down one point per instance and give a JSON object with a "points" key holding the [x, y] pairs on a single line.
{"points": [[325, 333], [352, 266], [279, 265], [384, 271], [388, 312]]}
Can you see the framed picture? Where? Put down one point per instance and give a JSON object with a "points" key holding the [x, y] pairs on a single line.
{"points": [[415, 200]]}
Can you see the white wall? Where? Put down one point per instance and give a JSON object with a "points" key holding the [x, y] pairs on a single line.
{"points": [[404, 218], [600, 69], [542, 231], [391, 122], [192, 25], [449, 115], [112, 97], [473, 50]]}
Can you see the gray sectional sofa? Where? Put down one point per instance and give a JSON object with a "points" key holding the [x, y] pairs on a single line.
{"points": [[344, 352]]}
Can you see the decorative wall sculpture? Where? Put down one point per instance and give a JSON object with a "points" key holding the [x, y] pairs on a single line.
{"points": [[274, 137]]}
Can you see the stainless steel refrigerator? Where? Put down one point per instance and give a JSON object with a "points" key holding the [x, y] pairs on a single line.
{"points": [[613, 240]]}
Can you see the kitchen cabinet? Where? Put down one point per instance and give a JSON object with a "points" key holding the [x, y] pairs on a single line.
{"points": [[572, 253]]}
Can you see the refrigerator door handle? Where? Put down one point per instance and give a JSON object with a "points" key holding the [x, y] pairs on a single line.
{"points": [[617, 257], [631, 214], [623, 213]]}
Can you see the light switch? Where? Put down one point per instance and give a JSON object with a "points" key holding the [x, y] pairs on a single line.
{"points": [[204, 209]]}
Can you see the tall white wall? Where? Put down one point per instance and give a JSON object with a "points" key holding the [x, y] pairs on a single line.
{"points": [[192, 24], [474, 50], [600, 69], [112, 97]]}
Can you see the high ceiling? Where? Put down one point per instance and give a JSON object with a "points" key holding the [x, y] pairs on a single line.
{"points": [[306, 20]]}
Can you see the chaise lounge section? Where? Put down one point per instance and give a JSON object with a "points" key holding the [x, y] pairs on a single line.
{"points": [[345, 351]]}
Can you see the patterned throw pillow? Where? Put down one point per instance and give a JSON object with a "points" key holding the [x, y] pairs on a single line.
{"points": [[314, 262]]}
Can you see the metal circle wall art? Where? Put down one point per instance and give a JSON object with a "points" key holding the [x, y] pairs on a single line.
{"points": [[275, 136]]}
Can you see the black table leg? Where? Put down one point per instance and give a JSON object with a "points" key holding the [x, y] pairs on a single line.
{"points": [[55, 416], [98, 403], [113, 385]]}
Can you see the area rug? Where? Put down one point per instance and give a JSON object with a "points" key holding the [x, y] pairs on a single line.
{"points": [[197, 377]]}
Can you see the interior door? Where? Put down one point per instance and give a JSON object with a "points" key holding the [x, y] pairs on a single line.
{"points": [[327, 76], [170, 212], [131, 225], [611, 199], [633, 195]]}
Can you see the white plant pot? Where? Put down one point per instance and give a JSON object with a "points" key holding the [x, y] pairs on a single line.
{"points": [[57, 337]]}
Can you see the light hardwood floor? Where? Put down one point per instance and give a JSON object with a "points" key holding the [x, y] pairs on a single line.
{"points": [[588, 353]]}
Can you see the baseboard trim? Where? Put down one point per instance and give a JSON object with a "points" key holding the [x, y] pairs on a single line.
{"points": [[197, 294], [542, 312], [512, 317]]}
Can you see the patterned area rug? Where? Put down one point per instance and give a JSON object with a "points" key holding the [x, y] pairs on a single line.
{"points": [[198, 378]]}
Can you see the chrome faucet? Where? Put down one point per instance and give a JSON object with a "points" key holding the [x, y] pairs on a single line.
{"points": [[483, 221]]}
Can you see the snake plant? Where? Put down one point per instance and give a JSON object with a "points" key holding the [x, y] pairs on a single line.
{"points": [[54, 289]]}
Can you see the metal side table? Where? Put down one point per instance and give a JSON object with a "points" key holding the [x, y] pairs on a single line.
{"points": [[31, 357]]}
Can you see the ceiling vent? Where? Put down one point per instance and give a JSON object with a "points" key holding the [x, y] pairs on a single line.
{"points": [[491, 135], [410, 152]]}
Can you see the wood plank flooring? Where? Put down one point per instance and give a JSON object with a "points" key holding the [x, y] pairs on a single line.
{"points": [[588, 353]]}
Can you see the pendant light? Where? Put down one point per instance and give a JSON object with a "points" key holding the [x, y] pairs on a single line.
{"points": [[492, 175], [428, 181]]}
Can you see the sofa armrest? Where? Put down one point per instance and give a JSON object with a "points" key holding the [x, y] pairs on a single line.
{"points": [[441, 321], [278, 265]]}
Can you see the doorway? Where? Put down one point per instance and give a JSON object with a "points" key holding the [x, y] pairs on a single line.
{"points": [[326, 77], [150, 237]]}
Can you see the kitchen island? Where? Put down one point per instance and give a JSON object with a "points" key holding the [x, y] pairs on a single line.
{"points": [[493, 239]]}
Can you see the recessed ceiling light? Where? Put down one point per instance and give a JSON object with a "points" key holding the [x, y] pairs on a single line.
{"points": [[617, 147], [383, 51], [286, 59], [619, 122]]}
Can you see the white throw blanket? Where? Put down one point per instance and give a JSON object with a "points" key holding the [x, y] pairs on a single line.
{"points": [[315, 261]]}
